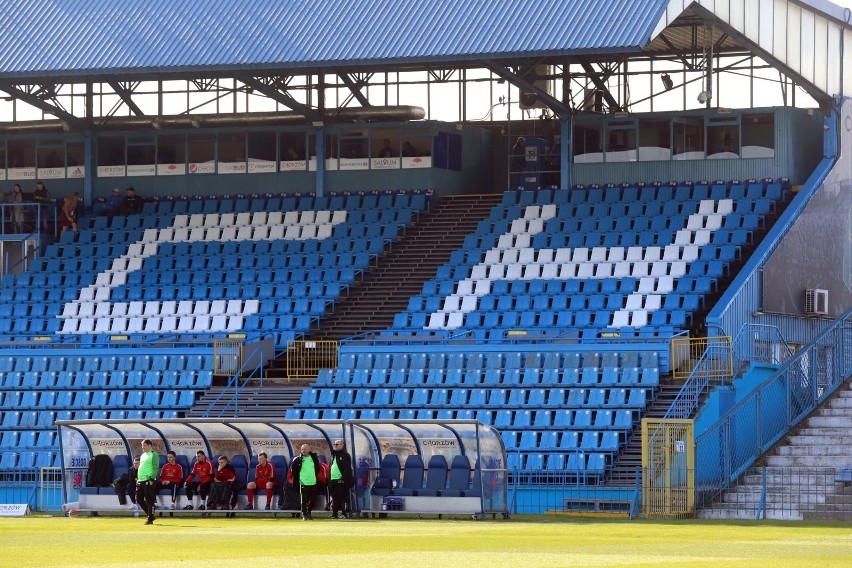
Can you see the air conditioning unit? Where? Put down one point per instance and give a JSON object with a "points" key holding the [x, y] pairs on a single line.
{"points": [[816, 302], [539, 78]]}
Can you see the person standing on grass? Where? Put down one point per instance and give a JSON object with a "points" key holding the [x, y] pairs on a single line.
{"points": [[265, 478], [171, 477], [146, 480], [305, 469], [342, 479]]}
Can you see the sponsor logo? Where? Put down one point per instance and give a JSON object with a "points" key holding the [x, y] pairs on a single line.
{"points": [[108, 443]]}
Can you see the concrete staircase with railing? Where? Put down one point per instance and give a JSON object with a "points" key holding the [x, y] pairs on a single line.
{"points": [[800, 472]]}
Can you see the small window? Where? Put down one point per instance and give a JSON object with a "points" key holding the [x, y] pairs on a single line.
{"points": [[758, 131]]}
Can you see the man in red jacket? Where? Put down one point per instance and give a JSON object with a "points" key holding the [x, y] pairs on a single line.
{"points": [[223, 483], [265, 478], [171, 477], [203, 470]]}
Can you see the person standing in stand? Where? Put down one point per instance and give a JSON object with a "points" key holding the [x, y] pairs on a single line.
{"points": [[146, 481], [265, 478], [305, 469], [203, 470], [171, 477], [342, 479]]}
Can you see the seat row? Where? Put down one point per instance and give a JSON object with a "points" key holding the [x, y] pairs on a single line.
{"points": [[490, 398], [100, 399], [44, 419], [511, 361], [105, 363], [589, 377], [566, 440], [51, 380]]}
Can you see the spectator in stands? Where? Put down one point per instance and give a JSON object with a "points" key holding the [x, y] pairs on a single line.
{"points": [[68, 214], [342, 479], [17, 210], [265, 478], [132, 203], [146, 482], [203, 470], [125, 486], [113, 205], [171, 477], [42, 197], [408, 150], [223, 481], [305, 469], [386, 151]]}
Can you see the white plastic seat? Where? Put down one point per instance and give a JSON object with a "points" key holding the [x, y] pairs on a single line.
{"points": [[671, 253], [479, 271], [695, 222], [103, 279], [634, 302], [706, 207], [118, 279], [677, 269], [180, 221], [276, 232], [338, 217], [522, 241], [532, 271], [482, 287], [468, 303], [725, 206], [550, 271], [308, 232], [87, 310], [195, 220], [185, 324], [713, 222], [683, 237], [102, 293], [545, 255], [293, 232], [621, 269], [647, 285], [134, 264], [217, 307], [598, 254], [87, 294], [118, 325], [168, 324], [211, 220], [548, 211], [150, 249], [197, 234], [322, 217], [455, 320], [201, 308], [568, 270], [184, 308], [291, 218], [148, 236], [634, 254], [227, 220], [562, 255], [620, 318], [151, 309], [497, 272], [665, 285], [509, 256], [229, 233], [653, 302], [235, 323], [464, 287], [452, 303], [135, 308], [259, 218], [603, 270], [535, 226], [652, 254], [518, 226], [119, 309], [307, 217], [689, 253], [219, 323], [250, 307], [181, 235], [275, 218], [87, 325], [532, 212], [260, 233], [514, 271], [135, 325], [640, 269], [659, 268], [168, 308], [639, 318], [492, 256], [437, 320], [201, 324], [323, 231], [234, 307], [152, 325], [526, 255], [70, 310], [615, 254], [243, 219], [70, 325], [585, 270], [702, 237], [244, 233], [581, 254]]}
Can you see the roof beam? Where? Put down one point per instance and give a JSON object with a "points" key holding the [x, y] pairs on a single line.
{"points": [[355, 88], [279, 96], [39, 99], [125, 95], [679, 54], [554, 104], [600, 84]]}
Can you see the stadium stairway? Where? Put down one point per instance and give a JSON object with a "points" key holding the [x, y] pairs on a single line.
{"points": [[400, 274], [254, 402], [623, 472], [803, 481]]}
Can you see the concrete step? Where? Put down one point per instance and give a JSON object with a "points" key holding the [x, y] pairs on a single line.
{"points": [[836, 412], [835, 451], [830, 422], [792, 478], [825, 432], [803, 461], [735, 513], [818, 441], [841, 402]]}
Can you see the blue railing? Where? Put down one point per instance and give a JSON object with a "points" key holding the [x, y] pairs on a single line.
{"points": [[237, 382], [769, 411]]}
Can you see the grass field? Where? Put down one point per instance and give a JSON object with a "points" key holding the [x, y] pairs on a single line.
{"points": [[410, 543]]}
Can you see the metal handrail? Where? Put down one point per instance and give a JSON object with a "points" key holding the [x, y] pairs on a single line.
{"points": [[234, 381]]}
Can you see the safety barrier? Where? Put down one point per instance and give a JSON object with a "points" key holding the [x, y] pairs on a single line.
{"points": [[714, 352], [227, 356], [306, 358]]}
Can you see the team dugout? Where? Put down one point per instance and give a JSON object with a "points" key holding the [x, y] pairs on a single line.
{"points": [[416, 467]]}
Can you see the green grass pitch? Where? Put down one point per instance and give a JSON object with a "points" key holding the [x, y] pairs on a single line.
{"points": [[523, 542]]}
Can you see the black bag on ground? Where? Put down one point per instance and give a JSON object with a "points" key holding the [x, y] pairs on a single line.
{"points": [[100, 471]]}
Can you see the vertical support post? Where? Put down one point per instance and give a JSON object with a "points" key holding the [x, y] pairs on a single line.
{"points": [[89, 158], [319, 188], [565, 128]]}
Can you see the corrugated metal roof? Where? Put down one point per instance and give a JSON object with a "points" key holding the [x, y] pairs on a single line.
{"points": [[70, 37]]}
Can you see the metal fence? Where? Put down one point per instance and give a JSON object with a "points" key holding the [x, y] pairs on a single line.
{"points": [[306, 358], [728, 448], [227, 356], [792, 493], [41, 489], [714, 354]]}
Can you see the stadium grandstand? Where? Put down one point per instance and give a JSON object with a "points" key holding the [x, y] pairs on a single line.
{"points": [[524, 256]]}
